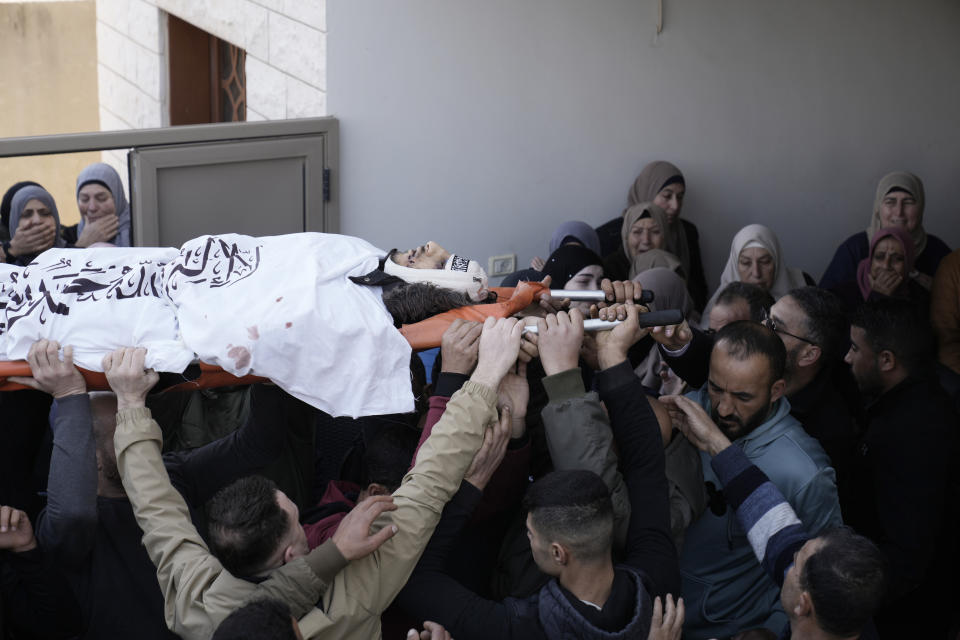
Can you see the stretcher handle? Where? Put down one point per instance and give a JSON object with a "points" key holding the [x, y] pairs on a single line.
{"points": [[596, 295], [651, 319], [199, 375]]}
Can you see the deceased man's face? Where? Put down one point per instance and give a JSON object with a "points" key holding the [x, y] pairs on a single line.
{"points": [[429, 256]]}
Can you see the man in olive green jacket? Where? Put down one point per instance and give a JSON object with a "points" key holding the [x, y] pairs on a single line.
{"points": [[356, 576]]}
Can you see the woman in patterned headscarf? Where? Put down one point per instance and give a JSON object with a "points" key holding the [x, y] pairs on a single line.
{"points": [[885, 272], [898, 203]]}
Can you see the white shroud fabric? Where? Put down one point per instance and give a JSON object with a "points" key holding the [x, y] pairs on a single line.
{"points": [[281, 307], [96, 300]]}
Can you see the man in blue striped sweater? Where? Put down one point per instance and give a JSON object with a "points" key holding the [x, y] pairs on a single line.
{"points": [[831, 585]]}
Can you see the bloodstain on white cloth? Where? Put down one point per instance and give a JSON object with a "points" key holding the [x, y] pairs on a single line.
{"points": [[241, 356]]}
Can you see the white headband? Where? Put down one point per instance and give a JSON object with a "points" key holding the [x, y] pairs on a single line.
{"points": [[458, 274]]}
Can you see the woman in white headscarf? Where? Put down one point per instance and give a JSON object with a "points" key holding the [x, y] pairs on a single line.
{"points": [[755, 257], [104, 211], [898, 202]]}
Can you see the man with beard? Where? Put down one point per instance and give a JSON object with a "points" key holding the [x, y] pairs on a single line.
{"points": [[899, 495], [725, 589], [822, 395]]}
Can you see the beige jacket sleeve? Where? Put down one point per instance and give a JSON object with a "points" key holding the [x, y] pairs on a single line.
{"points": [[365, 587], [197, 591], [945, 310]]}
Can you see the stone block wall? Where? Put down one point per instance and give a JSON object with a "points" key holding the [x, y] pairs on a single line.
{"points": [[285, 41]]}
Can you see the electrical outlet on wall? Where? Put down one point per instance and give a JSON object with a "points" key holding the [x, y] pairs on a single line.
{"points": [[502, 265]]}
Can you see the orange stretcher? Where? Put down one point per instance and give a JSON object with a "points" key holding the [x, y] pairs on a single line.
{"points": [[425, 334]]}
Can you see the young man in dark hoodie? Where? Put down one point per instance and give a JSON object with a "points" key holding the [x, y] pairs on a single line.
{"points": [[570, 525]]}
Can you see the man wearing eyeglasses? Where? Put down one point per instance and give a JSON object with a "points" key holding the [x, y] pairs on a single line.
{"points": [[725, 589], [822, 394]]}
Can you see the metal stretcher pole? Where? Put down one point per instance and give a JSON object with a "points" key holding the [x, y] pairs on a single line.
{"points": [[651, 319]]}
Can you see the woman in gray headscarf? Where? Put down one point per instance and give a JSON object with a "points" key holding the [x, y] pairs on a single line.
{"points": [[33, 211], [662, 184], [670, 292], [104, 211]]}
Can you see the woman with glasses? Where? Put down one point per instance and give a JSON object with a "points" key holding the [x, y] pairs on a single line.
{"points": [[756, 258]]}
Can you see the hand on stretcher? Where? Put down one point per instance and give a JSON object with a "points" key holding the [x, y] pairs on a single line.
{"points": [[421, 335]]}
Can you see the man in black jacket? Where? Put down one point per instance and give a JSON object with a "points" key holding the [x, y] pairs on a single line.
{"points": [[899, 494], [822, 397], [35, 601], [570, 525]]}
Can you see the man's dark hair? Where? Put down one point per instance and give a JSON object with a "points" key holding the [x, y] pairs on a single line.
{"points": [[410, 302], [246, 524], [759, 300], [744, 338], [846, 580], [574, 508], [826, 321], [388, 455], [897, 326], [266, 619]]}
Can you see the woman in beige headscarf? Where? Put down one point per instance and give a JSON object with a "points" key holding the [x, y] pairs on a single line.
{"points": [[643, 241], [898, 202], [755, 257], [662, 184]]}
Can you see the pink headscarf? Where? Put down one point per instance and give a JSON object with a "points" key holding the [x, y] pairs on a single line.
{"points": [[902, 236]]}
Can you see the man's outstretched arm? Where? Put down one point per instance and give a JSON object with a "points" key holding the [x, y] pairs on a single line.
{"points": [[367, 586], [67, 527], [650, 547], [576, 425], [772, 527], [198, 592]]}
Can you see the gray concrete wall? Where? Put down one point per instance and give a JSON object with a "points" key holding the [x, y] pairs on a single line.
{"points": [[484, 124]]}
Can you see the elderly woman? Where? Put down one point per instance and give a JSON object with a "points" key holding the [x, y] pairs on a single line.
{"points": [[34, 225], [643, 243], [755, 258], [898, 203], [885, 272], [104, 211], [663, 184]]}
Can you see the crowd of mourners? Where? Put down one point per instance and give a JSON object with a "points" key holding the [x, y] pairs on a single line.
{"points": [[775, 466]]}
